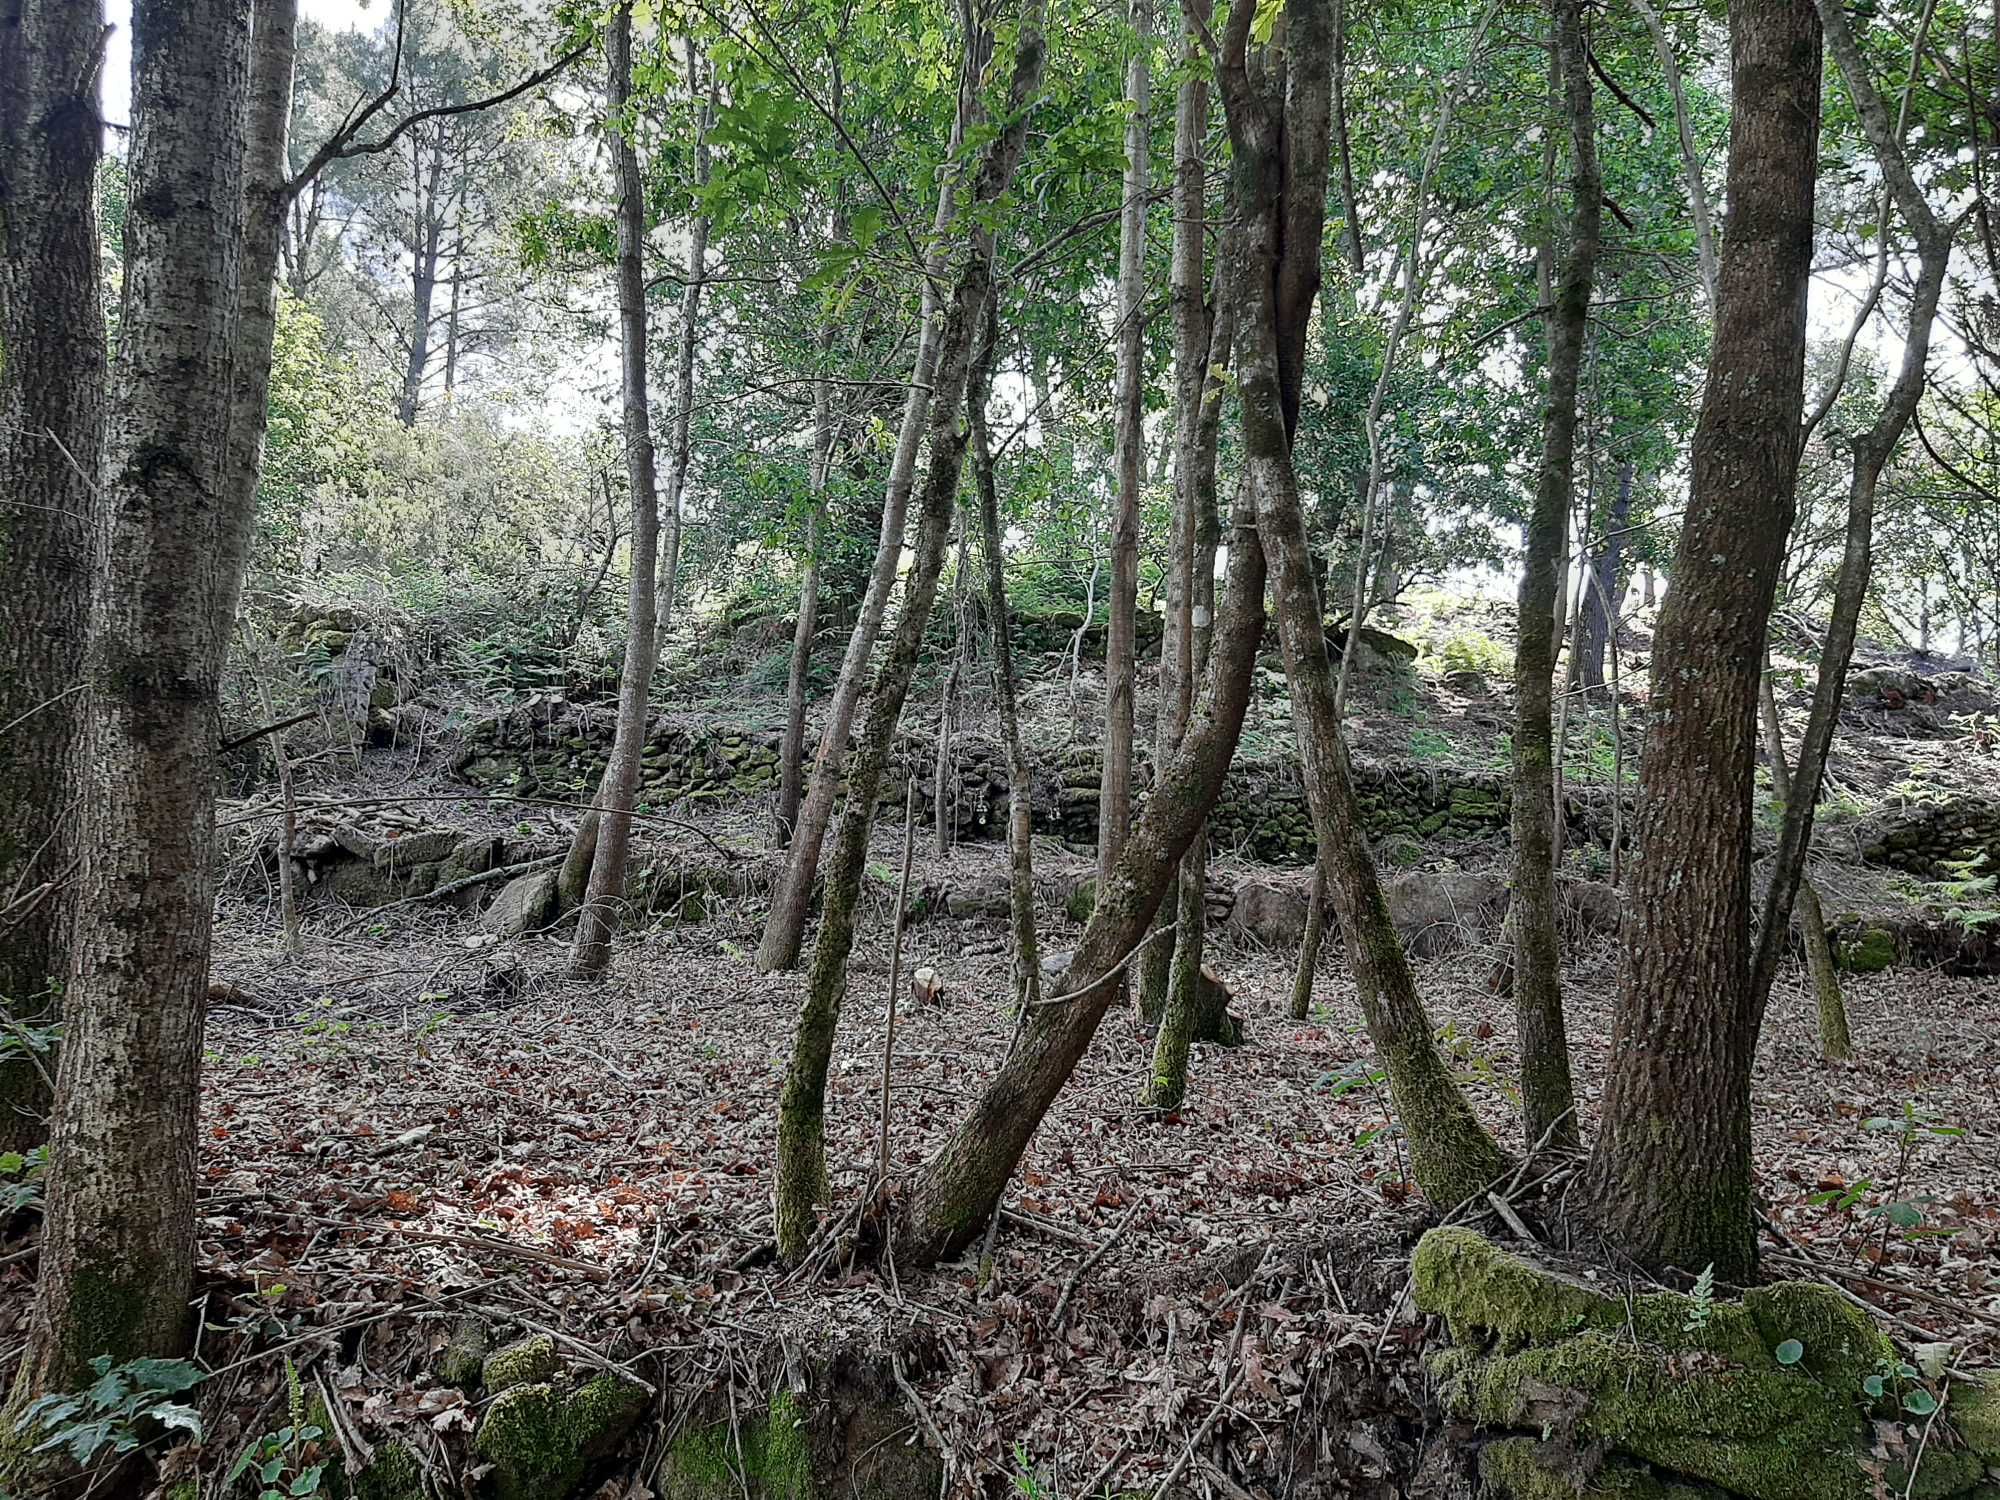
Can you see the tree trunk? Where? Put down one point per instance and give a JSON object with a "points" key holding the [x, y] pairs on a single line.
{"points": [[1114, 801], [690, 341], [1548, 1101], [1606, 590], [1192, 317], [1836, 1044], [52, 376], [423, 279], [1020, 779], [591, 948], [791, 755], [801, 1170], [1452, 1155], [1669, 1178], [784, 927], [118, 1236], [1872, 451], [943, 793]]}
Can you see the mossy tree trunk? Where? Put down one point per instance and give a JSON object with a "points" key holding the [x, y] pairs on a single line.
{"points": [[1872, 451], [51, 427], [1452, 1154], [1547, 1098], [590, 951], [1669, 1177], [1020, 778], [801, 1170], [118, 1237]]}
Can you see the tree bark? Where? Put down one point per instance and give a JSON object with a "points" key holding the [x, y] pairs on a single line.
{"points": [[1669, 1178], [52, 377], [801, 1170], [1872, 451], [1451, 1153], [1548, 1101], [590, 951], [118, 1236], [1836, 1043], [791, 755], [1114, 800], [1020, 779], [784, 927], [679, 452]]}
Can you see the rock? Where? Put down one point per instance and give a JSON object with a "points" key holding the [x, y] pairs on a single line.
{"points": [[1867, 951], [525, 904], [520, 1363], [463, 1358], [422, 848], [1271, 911], [1766, 1397], [985, 896], [1596, 908], [544, 1443], [1442, 913]]}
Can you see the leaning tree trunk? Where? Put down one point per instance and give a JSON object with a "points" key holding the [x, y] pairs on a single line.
{"points": [[118, 1237], [1548, 1101], [590, 951], [1452, 1155], [1669, 1178], [801, 1170], [1020, 779], [1114, 800], [1836, 1043], [785, 924], [51, 425], [1872, 451], [668, 595]]}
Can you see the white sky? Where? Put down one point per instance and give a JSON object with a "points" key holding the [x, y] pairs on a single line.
{"points": [[337, 15]]}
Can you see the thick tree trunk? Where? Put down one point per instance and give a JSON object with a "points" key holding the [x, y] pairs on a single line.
{"points": [[1451, 1153], [1020, 779], [679, 451], [591, 948], [118, 1237], [1548, 1101], [1114, 801], [801, 1170], [51, 425], [785, 925], [1192, 315], [1872, 451], [1669, 1178]]}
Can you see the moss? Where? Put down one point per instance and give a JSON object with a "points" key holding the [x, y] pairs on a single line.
{"points": [[462, 1361], [1525, 1469], [520, 1363], [776, 1458], [1870, 953], [1082, 901], [543, 1443], [1975, 1416]]}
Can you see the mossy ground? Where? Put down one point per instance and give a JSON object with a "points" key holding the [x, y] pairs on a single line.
{"points": [[768, 1456], [543, 1442]]}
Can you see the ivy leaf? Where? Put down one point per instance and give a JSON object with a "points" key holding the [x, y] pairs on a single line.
{"points": [[1919, 1403], [1790, 1352]]}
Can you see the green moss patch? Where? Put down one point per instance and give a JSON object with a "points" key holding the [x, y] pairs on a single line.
{"points": [[521, 1363], [772, 1450], [544, 1442]]}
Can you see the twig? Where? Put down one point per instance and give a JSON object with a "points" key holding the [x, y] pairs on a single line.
{"points": [[1089, 1264], [896, 972], [526, 867], [1510, 1218], [917, 1407], [1111, 973], [1229, 1387], [589, 1355]]}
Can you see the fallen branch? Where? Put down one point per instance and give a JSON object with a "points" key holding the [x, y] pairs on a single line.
{"points": [[1089, 1264]]}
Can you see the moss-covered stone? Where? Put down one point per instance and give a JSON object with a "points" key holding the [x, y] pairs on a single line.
{"points": [[462, 1361], [773, 1451], [1694, 1390], [394, 1474], [520, 1363], [543, 1443], [1528, 1469], [1868, 952]]}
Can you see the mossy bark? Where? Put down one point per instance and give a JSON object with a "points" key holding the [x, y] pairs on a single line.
{"points": [[801, 1175], [1451, 1152]]}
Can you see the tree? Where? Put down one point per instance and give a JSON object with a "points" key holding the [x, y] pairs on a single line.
{"points": [[801, 1170], [118, 1236], [1547, 1098], [1669, 1176], [52, 361], [591, 950]]}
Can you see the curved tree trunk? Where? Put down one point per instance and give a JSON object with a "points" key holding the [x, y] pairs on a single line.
{"points": [[801, 1170], [118, 1237], [590, 950], [1547, 1097], [1669, 1178], [51, 424]]}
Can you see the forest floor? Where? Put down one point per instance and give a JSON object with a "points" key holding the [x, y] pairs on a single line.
{"points": [[413, 1122]]}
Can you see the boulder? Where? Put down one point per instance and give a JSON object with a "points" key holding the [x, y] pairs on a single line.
{"points": [[1440, 913], [525, 904], [545, 1441], [1271, 911]]}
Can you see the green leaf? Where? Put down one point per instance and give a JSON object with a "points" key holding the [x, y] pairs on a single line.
{"points": [[1919, 1403], [1875, 1386], [1904, 1215], [1790, 1352], [308, 1482]]}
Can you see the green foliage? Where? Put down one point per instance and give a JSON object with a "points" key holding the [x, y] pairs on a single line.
{"points": [[123, 1409], [23, 1188], [287, 1464], [1470, 650]]}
